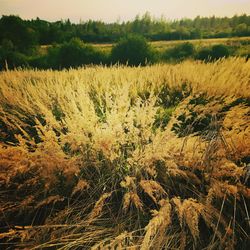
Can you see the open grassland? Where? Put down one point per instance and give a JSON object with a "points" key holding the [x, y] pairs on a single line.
{"points": [[199, 43], [234, 41], [163, 45], [152, 157]]}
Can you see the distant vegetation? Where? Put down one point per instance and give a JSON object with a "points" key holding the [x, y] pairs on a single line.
{"points": [[21, 40], [70, 54], [24, 33], [133, 50], [213, 53], [180, 52]]}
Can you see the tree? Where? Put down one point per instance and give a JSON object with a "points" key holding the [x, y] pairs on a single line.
{"points": [[14, 29], [219, 51], [241, 30], [204, 54], [11, 59], [133, 50], [74, 54], [180, 52], [216, 52]]}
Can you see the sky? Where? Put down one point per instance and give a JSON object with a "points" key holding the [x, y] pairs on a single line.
{"points": [[123, 10]]}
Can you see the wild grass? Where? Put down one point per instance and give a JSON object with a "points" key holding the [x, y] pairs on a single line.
{"points": [[152, 157]]}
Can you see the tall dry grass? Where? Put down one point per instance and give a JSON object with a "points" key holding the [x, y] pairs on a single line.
{"points": [[126, 158]]}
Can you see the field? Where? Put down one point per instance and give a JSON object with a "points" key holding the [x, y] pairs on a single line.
{"points": [[153, 157], [163, 45], [199, 43]]}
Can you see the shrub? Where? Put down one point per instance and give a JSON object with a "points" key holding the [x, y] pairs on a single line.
{"points": [[219, 51], [39, 62], [53, 57], [179, 52], [133, 50], [12, 59], [74, 54], [216, 52], [204, 54]]}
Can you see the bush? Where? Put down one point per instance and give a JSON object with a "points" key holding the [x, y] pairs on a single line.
{"points": [[204, 54], [220, 51], [39, 62], [179, 52], [216, 52], [12, 59], [74, 54], [133, 50]]}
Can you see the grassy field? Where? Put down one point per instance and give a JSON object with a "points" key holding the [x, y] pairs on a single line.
{"points": [[152, 157], [163, 45]]}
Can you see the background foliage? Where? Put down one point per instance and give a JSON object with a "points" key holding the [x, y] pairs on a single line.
{"points": [[62, 44]]}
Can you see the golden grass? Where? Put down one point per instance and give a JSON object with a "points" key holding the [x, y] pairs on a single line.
{"points": [[88, 159]]}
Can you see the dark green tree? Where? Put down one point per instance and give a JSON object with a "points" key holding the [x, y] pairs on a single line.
{"points": [[211, 54], [74, 54], [204, 54], [14, 29], [242, 30], [179, 52], [11, 59], [219, 51], [133, 50]]}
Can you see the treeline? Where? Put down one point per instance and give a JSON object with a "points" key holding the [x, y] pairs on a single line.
{"points": [[24, 33]]}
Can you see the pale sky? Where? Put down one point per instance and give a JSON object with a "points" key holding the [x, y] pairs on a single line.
{"points": [[111, 10]]}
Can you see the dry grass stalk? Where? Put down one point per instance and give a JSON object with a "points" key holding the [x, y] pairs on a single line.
{"points": [[81, 185], [189, 212], [96, 211], [153, 189], [157, 226], [132, 198]]}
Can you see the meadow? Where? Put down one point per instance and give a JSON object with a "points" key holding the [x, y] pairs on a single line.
{"points": [[153, 157], [241, 44], [163, 45]]}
